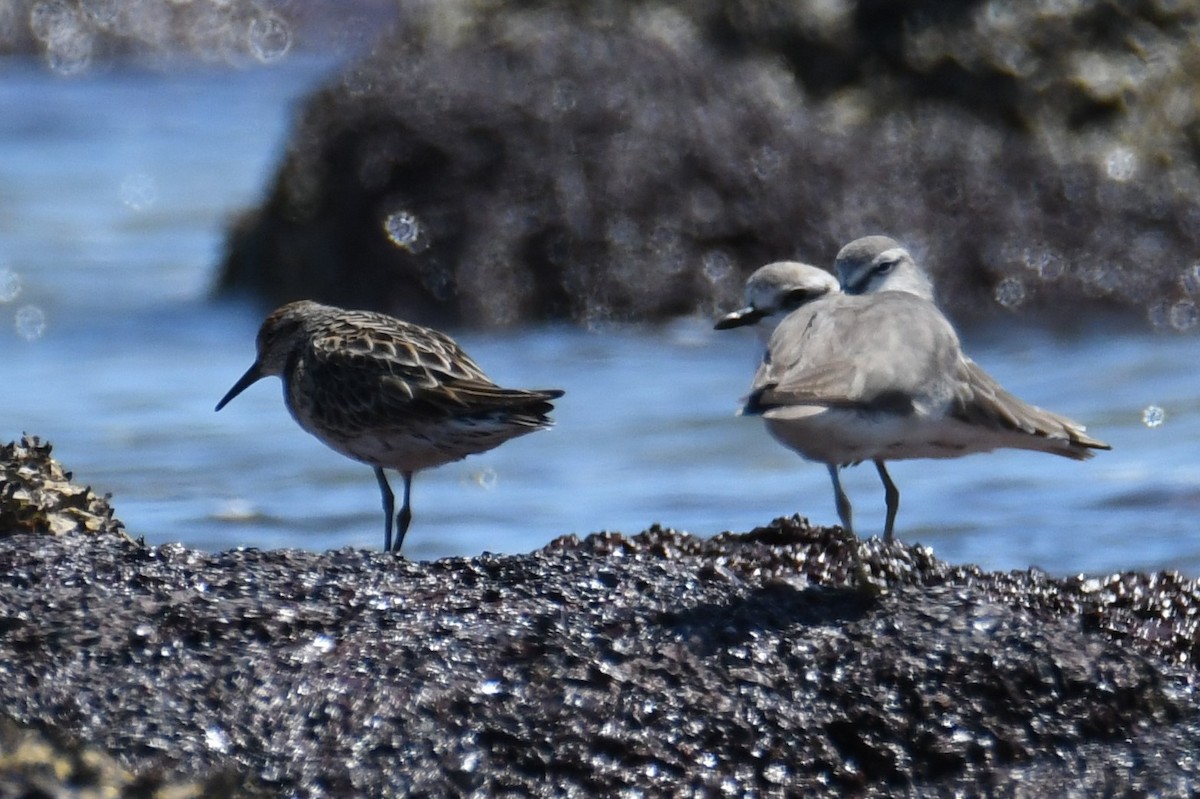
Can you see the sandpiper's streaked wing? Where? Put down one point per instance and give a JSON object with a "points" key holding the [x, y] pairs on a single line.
{"points": [[388, 393]]}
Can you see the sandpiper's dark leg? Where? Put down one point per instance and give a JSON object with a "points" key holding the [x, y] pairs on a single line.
{"points": [[405, 516], [389, 504], [843, 502], [892, 495]]}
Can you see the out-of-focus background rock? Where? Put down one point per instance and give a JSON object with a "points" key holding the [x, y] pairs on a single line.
{"points": [[489, 163], [73, 36]]}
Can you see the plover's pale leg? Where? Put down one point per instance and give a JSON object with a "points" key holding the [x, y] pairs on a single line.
{"points": [[843, 501], [389, 505], [404, 518], [892, 495]]}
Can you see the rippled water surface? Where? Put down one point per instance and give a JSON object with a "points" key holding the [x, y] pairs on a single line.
{"points": [[114, 189]]}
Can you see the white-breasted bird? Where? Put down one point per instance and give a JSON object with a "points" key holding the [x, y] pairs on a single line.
{"points": [[880, 376]]}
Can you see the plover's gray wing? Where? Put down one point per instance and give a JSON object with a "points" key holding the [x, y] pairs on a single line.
{"points": [[877, 264], [889, 352], [982, 402]]}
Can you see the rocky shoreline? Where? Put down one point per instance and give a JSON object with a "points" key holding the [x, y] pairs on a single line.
{"points": [[786, 660]]}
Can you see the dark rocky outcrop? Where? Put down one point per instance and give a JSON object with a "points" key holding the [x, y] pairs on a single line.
{"points": [[492, 163], [788, 660]]}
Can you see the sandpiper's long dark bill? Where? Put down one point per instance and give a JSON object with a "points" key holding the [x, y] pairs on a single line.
{"points": [[388, 393], [879, 374]]}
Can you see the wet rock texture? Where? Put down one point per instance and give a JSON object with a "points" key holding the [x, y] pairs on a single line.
{"points": [[488, 164], [790, 660]]}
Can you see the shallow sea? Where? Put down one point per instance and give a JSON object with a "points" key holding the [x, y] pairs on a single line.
{"points": [[115, 187]]}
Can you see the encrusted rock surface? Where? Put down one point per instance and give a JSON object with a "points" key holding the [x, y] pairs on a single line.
{"points": [[37, 495], [790, 660], [492, 163]]}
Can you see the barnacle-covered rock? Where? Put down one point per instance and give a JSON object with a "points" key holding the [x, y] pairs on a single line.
{"points": [[791, 661], [38, 496]]}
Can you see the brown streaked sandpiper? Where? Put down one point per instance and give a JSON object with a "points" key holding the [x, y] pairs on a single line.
{"points": [[387, 393]]}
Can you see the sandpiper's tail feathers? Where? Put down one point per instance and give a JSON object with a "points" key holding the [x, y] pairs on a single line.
{"points": [[537, 406], [984, 402], [470, 398]]}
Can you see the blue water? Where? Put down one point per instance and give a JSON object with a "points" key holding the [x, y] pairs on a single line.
{"points": [[115, 187]]}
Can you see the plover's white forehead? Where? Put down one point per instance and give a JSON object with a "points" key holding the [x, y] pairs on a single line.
{"points": [[766, 288], [880, 263], [865, 251], [893, 254]]}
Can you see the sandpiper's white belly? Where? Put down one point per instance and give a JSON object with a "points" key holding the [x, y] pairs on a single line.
{"points": [[417, 445]]}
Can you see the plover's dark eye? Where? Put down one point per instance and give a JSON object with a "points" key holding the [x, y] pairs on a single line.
{"points": [[886, 266], [796, 297]]}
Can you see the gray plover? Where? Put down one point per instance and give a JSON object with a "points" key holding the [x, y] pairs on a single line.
{"points": [[878, 263], [774, 291], [880, 377], [387, 393]]}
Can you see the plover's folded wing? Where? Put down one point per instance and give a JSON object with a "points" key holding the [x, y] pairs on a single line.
{"points": [[981, 401], [889, 353], [840, 384], [820, 383]]}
